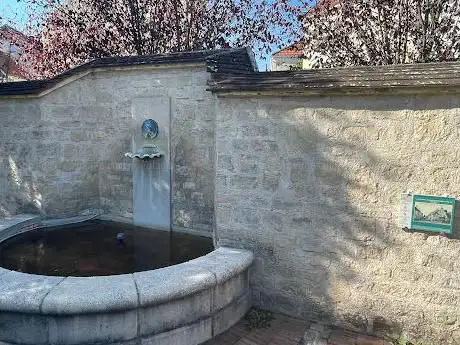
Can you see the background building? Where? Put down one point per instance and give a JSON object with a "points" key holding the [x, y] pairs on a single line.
{"points": [[12, 43], [289, 58]]}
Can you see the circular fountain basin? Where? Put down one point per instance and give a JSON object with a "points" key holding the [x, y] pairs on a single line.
{"points": [[187, 303]]}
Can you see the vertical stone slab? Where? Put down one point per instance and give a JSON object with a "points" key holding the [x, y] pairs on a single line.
{"points": [[152, 178]]}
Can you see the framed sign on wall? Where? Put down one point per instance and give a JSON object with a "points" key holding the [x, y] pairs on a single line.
{"points": [[432, 213]]}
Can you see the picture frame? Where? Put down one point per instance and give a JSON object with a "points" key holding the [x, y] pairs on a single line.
{"points": [[432, 213]]}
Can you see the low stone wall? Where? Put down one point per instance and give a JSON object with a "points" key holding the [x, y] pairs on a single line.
{"points": [[185, 304], [17, 225], [312, 185]]}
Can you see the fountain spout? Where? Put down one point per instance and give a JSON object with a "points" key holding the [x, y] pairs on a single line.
{"points": [[150, 131], [146, 153]]}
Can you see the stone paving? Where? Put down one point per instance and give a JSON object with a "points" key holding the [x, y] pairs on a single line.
{"points": [[288, 331]]}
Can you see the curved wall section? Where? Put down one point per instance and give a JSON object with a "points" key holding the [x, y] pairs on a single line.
{"points": [[184, 304]]}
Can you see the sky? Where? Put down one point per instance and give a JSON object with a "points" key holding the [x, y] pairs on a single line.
{"points": [[12, 10]]}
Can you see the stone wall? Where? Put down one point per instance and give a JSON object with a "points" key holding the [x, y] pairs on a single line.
{"points": [[312, 184], [49, 164], [63, 152]]}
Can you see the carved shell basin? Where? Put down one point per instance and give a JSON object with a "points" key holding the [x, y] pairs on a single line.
{"points": [[143, 155], [147, 152]]}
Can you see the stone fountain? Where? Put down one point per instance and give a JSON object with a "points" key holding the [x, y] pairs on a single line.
{"points": [[151, 171]]}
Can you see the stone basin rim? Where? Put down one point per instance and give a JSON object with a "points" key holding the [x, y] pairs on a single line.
{"points": [[57, 295]]}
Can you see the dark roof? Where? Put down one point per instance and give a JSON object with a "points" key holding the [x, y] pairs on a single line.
{"points": [[235, 61], [351, 79]]}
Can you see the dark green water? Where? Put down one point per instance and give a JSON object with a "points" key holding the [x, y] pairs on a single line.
{"points": [[92, 249]]}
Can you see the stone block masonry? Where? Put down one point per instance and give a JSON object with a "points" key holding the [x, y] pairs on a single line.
{"points": [[312, 186], [305, 169], [63, 152]]}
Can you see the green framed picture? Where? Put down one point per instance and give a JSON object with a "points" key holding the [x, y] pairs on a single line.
{"points": [[432, 213]]}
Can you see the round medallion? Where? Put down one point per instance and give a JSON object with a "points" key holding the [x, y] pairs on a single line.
{"points": [[150, 129]]}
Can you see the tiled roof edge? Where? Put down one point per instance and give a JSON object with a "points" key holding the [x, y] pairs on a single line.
{"points": [[235, 61], [350, 79]]}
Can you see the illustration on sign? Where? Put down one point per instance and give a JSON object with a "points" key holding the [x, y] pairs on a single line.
{"points": [[432, 213]]}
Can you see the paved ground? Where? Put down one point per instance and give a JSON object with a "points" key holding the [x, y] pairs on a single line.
{"points": [[288, 331]]}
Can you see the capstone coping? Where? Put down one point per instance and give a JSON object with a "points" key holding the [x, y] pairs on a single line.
{"points": [[177, 281], [49, 223], [7, 223], [3, 271], [15, 225], [77, 295], [170, 283], [23, 292], [49, 295], [225, 263]]}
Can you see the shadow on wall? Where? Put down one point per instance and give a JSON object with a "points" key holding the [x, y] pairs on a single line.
{"points": [[20, 192], [59, 157], [193, 183], [319, 206], [50, 187]]}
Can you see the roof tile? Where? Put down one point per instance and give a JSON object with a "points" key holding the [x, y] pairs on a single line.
{"points": [[235, 61], [423, 76]]}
